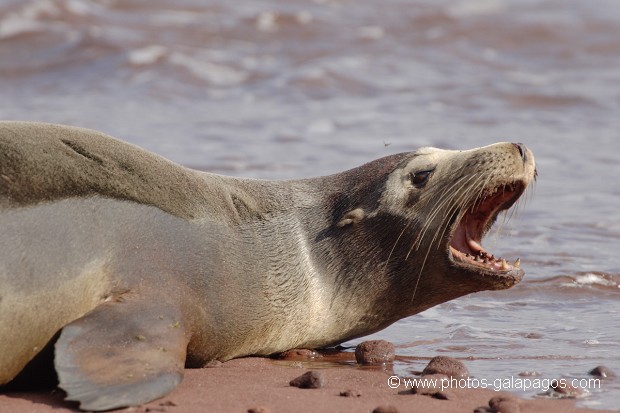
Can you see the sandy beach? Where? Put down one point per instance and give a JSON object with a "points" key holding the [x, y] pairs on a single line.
{"points": [[263, 385]]}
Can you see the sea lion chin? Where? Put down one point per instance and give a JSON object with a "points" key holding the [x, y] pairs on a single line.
{"points": [[139, 266]]}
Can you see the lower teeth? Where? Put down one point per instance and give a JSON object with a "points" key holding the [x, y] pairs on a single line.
{"points": [[484, 257]]}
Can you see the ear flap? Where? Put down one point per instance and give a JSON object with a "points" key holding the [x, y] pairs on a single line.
{"points": [[352, 217]]}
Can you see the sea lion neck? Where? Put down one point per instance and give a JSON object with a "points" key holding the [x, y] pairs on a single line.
{"points": [[342, 219], [359, 187]]}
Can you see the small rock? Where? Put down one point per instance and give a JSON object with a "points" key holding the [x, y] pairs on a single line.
{"points": [[446, 365], [259, 409], [602, 372], [431, 386], [442, 395], [385, 409], [375, 352], [503, 404], [309, 380], [529, 373], [168, 403], [350, 393], [563, 389], [299, 354]]}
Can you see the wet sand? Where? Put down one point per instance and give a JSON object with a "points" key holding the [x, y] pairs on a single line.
{"points": [[258, 383]]}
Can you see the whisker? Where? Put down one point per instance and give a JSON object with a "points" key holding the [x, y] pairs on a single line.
{"points": [[461, 202], [428, 250], [396, 243], [514, 212], [461, 194], [445, 198], [467, 193]]}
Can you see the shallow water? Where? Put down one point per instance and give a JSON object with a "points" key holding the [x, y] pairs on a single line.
{"points": [[284, 89]]}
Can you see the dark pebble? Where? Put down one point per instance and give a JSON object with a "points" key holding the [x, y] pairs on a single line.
{"points": [[350, 393], [309, 380], [162, 407], [436, 392], [429, 389], [602, 372], [385, 409], [442, 395], [375, 352], [503, 404], [446, 365], [259, 409], [168, 403]]}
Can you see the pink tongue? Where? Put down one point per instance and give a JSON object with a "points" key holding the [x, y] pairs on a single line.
{"points": [[474, 246], [460, 239], [463, 242]]}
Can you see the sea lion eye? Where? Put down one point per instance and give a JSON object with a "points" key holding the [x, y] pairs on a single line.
{"points": [[420, 178]]}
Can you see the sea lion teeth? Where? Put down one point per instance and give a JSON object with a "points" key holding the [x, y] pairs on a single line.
{"points": [[517, 263], [503, 265]]}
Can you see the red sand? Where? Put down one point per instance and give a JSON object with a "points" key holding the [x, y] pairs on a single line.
{"points": [[241, 384]]}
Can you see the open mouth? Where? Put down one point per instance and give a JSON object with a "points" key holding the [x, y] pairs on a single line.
{"points": [[465, 244]]}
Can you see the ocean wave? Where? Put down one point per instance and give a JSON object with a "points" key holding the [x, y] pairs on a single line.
{"points": [[587, 280]]}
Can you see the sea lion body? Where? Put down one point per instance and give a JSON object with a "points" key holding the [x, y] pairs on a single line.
{"points": [[145, 266]]}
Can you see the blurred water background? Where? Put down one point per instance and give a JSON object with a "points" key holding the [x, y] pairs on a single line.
{"points": [[296, 88]]}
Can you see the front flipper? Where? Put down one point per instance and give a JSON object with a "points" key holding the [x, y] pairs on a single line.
{"points": [[122, 354]]}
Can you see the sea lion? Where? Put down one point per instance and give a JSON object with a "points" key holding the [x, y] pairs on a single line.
{"points": [[139, 266]]}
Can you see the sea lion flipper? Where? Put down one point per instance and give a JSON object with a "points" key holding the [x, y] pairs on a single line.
{"points": [[121, 354]]}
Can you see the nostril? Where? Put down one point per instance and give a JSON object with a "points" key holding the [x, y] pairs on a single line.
{"points": [[522, 150]]}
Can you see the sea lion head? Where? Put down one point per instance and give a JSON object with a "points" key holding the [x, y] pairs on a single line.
{"points": [[427, 216]]}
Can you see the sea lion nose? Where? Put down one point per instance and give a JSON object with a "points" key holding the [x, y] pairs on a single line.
{"points": [[522, 150]]}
